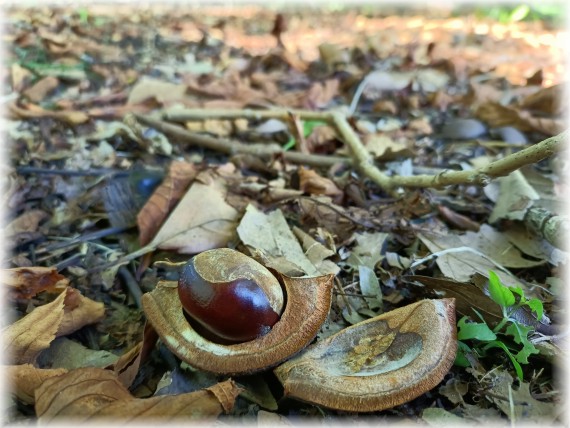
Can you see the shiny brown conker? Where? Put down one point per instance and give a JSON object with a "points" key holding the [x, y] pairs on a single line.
{"points": [[230, 294]]}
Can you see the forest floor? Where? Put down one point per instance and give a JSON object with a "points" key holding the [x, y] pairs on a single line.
{"points": [[410, 164]]}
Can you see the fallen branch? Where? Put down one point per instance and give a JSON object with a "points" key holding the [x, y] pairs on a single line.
{"points": [[478, 176], [230, 147], [361, 158]]}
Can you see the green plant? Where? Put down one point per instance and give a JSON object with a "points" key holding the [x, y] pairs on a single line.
{"points": [[308, 126], [507, 331]]}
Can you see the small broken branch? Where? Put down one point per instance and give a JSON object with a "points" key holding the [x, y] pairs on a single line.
{"points": [[230, 147], [361, 158]]}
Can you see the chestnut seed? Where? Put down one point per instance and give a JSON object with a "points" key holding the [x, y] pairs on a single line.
{"points": [[230, 294]]}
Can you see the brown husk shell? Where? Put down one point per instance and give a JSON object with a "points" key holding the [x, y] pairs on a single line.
{"points": [[307, 306], [378, 363]]}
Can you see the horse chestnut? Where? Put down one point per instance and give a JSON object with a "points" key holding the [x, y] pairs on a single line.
{"points": [[230, 294]]}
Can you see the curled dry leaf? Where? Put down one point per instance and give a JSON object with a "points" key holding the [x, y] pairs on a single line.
{"points": [[128, 364], [27, 337], [378, 363], [308, 304], [70, 311], [24, 379], [26, 282], [312, 183], [78, 312], [164, 199], [92, 394]]}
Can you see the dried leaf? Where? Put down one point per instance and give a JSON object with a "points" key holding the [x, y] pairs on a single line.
{"points": [[163, 92], [270, 233], [92, 394], [26, 338], [468, 297], [385, 148], [64, 353], [26, 282], [312, 183], [24, 379], [549, 100], [79, 311], [316, 252], [128, 364], [41, 89], [164, 199], [514, 199], [202, 220], [463, 263], [368, 251], [27, 222]]}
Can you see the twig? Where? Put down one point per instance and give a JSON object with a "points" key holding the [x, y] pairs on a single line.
{"points": [[282, 114], [132, 285], [28, 170], [363, 159], [82, 238], [479, 176], [233, 147], [551, 227], [360, 156]]}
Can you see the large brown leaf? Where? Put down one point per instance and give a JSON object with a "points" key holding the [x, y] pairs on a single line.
{"points": [[70, 311], [27, 337], [24, 379], [93, 394]]}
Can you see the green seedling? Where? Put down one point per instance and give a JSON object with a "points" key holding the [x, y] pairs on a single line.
{"points": [[308, 126], [482, 338]]}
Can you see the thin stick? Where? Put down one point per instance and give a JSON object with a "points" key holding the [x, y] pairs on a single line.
{"points": [[233, 147], [361, 158], [283, 114]]}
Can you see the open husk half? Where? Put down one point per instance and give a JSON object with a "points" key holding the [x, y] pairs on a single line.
{"points": [[307, 305], [378, 363]]}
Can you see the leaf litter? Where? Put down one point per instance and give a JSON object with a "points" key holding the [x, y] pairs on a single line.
{"points": [[103, 202]]}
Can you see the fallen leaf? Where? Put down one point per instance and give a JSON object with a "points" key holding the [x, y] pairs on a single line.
{"points": [[27, 222], [522, 405], [79, 311], [270, 234], [24, 379], [460, 265], [26, 282], [437, 417], [311, 182], [27, 337], [202, 220], [128, 364], [164, 199], [549, 100], [385, 148], [368, 251], [514, 198], [64, 353], [93, 394], [41, 89], [316, 252], [469, 297], [163, 92]]}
